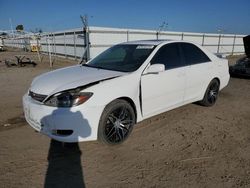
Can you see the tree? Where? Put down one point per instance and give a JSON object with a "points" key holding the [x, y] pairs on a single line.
{"points": [[19, 27]]}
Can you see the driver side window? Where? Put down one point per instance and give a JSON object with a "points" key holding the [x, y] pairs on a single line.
{"points": [[169, 55]]}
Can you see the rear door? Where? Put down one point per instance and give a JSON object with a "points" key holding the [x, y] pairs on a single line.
{"points": [[198, 71], [166, 89]]}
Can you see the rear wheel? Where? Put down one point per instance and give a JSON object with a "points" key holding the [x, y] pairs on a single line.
{"points": [[211, 94], [116, 123]]}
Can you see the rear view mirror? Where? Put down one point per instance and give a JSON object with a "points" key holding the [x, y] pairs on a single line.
{"points": [[155, 69]]}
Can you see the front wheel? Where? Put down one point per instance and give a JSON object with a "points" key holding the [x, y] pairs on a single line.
{"points": [[116, 123], [211, 94]]}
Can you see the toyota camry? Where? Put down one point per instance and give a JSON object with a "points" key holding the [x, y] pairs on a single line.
{"points": [[129, 82]]}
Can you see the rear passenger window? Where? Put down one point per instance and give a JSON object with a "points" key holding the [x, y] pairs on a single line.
{"points": [[193, 55], [169, 55]]}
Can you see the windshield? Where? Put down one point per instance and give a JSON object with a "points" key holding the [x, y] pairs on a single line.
{"points": [[124, 58]]}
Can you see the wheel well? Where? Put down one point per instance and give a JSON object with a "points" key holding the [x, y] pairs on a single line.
{"points": [[216, 78], [132, 104]]}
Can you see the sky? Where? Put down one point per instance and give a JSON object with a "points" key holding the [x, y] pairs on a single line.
{"points": [[206, 16]]}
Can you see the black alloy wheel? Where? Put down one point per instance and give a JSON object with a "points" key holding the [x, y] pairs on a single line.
{"points": [[116, 123], [211, 94]]}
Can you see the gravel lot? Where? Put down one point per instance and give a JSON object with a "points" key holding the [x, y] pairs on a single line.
{"points": [[192, 146]]}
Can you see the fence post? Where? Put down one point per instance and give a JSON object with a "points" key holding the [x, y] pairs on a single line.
{"points": [[203, 38], [182, 36], [127, 35], [75, 44], [47, 44], [233, 45], [86, 34], [64, 45], [218, 49], [54, 39]]}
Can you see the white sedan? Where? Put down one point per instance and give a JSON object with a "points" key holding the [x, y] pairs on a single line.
{"points": [[104, 98]]}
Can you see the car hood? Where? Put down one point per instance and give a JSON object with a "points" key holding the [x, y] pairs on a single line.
{"points": [[69, 78]]}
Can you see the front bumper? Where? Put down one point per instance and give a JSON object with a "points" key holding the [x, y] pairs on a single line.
{"points": [[80, 121]]}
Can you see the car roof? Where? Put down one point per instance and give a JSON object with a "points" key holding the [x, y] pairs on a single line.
{"points": [[147, 42]]}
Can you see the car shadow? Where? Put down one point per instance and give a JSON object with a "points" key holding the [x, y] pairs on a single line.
{"points": [[64, 159]]}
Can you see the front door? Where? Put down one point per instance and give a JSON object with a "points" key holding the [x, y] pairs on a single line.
{"points": [[166, 89]]}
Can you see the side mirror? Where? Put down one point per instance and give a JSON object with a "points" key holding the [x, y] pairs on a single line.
{"points": [[155, 69]]}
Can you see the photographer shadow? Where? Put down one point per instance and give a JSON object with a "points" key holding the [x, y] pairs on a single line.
{"points": [[64, 159], [64, 166]]}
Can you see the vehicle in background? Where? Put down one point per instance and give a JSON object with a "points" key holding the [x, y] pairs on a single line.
{"points": [[242, 66], [1, 44], [34, 44], [104, 98]]}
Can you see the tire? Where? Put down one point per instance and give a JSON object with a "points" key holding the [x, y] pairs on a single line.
{"points": [[211, 94], [116, 123]]}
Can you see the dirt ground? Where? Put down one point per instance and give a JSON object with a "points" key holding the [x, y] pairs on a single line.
{"points": [[192, 146]]}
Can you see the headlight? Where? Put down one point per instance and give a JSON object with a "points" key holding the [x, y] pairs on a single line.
{"points": [[68, 98]]}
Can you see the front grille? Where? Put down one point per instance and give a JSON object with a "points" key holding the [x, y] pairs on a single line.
{"points": [[37, 97]]}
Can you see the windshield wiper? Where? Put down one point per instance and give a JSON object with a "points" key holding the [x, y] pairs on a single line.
{"points": [[97, 67], [86, 65]]}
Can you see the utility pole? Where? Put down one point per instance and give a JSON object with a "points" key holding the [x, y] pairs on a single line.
{"points": [[220, 31], [86, 53], [11, 31], [11, 27], [38, 47], [49, 50]]}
